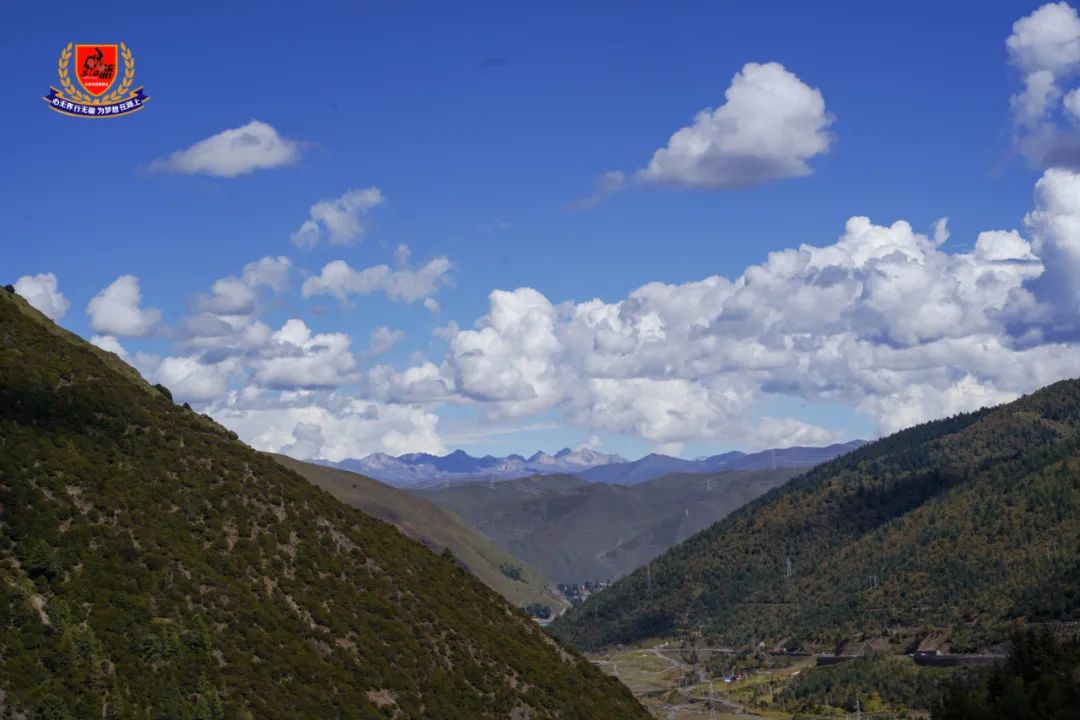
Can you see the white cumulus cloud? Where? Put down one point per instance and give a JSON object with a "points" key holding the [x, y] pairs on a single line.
{"points": [[116, 310], [297, 358], [1044, 47], [237, 295], [228, 296], [770, 126], [191, 379], [233, 152], [383, 339], [271, 272], [285, 421], [610, 182], [1054, 225], [424, 383], [338, 220], [307, 442], [43, 292], [109, 343], [405, 284]]}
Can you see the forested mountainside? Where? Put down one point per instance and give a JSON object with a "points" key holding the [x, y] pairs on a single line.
{"points": [[966, 526], [573, 531], [437, 528], [152, 566], [1040, 680]]}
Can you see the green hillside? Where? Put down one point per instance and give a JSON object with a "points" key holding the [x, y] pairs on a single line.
{"points": [[572, 530], [966, 526], [435, 527], [152, 566]]}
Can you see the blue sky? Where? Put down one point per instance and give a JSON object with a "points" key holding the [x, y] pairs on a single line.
{"points": [[481, 125]]}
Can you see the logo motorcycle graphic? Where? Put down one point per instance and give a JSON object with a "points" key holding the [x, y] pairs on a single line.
{"points": [[96, 69]]}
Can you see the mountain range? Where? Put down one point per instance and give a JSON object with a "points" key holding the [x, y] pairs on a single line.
{"points": [[963, 528], [655, 465], [422, 470], [153, 566]]}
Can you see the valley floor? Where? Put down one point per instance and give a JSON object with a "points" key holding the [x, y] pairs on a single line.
{"points": [[674, 684], [672, 688]]}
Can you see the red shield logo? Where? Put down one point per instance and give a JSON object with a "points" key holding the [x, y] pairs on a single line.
{"points": [[96, 67]]}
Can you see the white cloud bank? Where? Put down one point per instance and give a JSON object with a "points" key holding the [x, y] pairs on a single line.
{"points": [[43, 292], [233, 152], [884, 321], [286, 421], [289, 389]]}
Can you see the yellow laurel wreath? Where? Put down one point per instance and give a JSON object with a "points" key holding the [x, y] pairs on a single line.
{"points": [[129, 77], [65, 81], [115, 95]]}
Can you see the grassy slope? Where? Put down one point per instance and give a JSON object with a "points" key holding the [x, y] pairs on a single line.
{"points": [[969, 525], [153, 566], [435, 527]]}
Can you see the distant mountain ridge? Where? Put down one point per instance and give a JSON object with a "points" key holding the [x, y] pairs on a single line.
{"points": [[654, 465], [421, 470], [424, 470]]}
